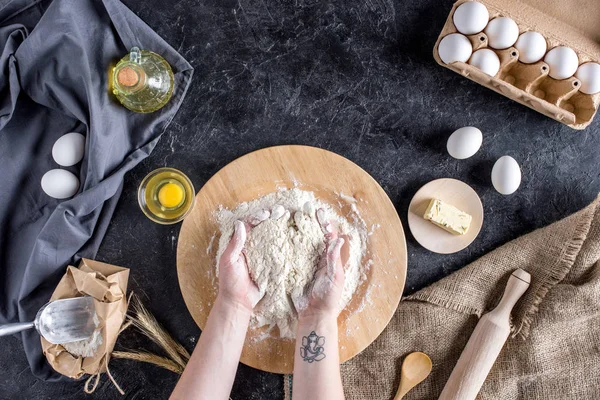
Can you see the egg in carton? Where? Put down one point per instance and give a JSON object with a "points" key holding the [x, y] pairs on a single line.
{"points": [[486, 50]]}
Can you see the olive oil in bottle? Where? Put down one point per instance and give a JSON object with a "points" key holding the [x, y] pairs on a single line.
{"points": [[142, 81]]}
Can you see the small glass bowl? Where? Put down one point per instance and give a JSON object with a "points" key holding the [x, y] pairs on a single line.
{"points": [[148, 196]]}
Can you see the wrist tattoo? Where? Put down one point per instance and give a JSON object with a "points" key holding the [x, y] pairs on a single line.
{"points": [[312, 347]]}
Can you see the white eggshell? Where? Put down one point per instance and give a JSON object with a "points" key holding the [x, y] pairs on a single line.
{"points": [[563, 62], [486, 60], [589, 75], [60, 183], [506, 175], [68, 149], [455, 47], [532, 46], [464, 142], [502, 33], [471, 17]]}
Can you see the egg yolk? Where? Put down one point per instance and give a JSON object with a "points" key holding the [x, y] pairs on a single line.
{"points": [[170, 195]]}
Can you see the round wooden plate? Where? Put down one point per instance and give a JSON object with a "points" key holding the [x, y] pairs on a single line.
{"points": [[334, 180], [451, 191]]}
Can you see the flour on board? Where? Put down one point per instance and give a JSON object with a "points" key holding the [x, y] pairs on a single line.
{"points": [[283, 253]]}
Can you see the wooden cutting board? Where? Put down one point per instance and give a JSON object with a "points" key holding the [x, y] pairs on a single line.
{"points": [[334, 180]]}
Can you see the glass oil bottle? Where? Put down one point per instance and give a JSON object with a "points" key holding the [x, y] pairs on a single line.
{"points": [[142, 81]]}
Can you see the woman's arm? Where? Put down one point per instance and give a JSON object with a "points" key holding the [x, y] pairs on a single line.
{"points": [[211, 370], [317, 360], [317, 372]]}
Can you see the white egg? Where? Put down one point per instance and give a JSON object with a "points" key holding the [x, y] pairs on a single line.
{"points": [[589, 75], [486, 60], [471, 17], [563, 62], [455, 47], [60, 183], [502, 33], [506, 175], [532, 46], [464, 142], [68, 149]]}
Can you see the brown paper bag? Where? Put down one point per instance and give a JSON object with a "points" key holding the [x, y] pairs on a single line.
{"points": [[107, 284]]}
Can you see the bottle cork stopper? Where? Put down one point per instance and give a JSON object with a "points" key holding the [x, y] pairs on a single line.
{"points": [[128, 77]]}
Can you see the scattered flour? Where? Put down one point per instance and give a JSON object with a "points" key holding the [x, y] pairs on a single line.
{"points": [[86, 347], [347, 198], [283, 253], [210, 244]]}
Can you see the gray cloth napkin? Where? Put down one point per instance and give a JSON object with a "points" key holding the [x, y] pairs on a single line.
{"points": [[55, 56]]}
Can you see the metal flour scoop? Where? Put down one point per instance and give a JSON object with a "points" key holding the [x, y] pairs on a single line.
{"points": [[60, 321]]}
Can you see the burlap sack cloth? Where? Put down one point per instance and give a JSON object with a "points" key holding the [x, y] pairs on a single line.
{"points": [[555, 351]]}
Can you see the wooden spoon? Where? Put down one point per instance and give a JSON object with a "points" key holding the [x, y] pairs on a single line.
{"points": [[415, 368]]}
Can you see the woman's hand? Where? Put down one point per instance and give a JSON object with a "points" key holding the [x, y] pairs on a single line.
{"points": [[235, 284], [317, 362], [325, 294], [210, 372]]}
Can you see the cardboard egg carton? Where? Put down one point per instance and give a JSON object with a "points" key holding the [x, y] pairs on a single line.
{"points": [[572, 23]]}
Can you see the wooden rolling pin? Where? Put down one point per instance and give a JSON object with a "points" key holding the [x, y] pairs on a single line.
{"points": [[485, 343]]}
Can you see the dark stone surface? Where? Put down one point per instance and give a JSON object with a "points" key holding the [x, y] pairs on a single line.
{"points": [[354, 77]]}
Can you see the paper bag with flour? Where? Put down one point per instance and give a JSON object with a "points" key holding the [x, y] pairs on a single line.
{"points": [[107, 284]]}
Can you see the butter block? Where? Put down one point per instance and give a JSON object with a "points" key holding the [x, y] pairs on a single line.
{"points": [[448, 217]]}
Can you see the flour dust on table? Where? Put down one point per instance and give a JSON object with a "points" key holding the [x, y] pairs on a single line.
{"points": [[284, 250]]}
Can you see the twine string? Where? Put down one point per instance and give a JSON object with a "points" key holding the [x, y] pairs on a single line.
{"points": [[96, 378], [86, 387]]}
